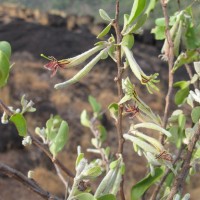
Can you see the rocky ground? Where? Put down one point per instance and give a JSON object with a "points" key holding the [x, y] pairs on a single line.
{"points": [[29, 77]]}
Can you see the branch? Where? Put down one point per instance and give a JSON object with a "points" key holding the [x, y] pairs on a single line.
{"points": [[39, 144], [159, 186], [170, 56], [118, 79], [29, 183], [180, 178]]}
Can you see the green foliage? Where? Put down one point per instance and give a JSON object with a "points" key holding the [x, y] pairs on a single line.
{"points": [[5, 53], [20, 123], [60, 139], [140, 188]]}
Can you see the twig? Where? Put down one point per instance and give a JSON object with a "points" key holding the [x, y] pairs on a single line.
{"points": [[30, 183], [159, 186], [39, 144], [61, 177], [118, 79], [96, 133], [54, 160], [190, 74], [180, 178], [170, 56]]}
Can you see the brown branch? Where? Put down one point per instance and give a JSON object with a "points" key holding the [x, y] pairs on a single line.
{"points": [[118, 79], [29, 183], [39, 144], [190, 74], [54, 160], [180, 178], [170, 58], [159, 186]]}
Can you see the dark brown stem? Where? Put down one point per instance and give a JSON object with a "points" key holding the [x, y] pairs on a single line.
{"points": [[39, 144], [120, 92], [170, 58], [181, 176], [29, 183], [159, 186]]}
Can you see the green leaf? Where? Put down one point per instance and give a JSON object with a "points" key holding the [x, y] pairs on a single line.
{"points": [[195, 114], [185, 58], [139, 189], [60, 140], [4, 68], [104, 31], [104, 15], [192, 37], [79, 158], [159, 32], [6, 48], [113, 108], [52, 126], [181, 95], [95, 105], [20, 123], [151, 6], [103, 133], [85, 119], [107, 197], [128, 40], [84, 196], [181, 84], [92, 173], [137, 9]]}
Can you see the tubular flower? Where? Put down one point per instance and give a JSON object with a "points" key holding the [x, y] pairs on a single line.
{"points": [[84, 71], [54, 64], [149, 81]]}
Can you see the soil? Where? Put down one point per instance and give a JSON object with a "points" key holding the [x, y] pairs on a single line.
{"points": [[28, 77]]}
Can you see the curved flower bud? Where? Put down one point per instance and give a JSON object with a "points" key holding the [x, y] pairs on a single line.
{"points": [[149, 81], [83, 72], [54, 64]]}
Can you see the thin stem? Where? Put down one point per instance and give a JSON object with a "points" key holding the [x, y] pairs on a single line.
{"points": [[190, 74], [39, 144], [61, 176], [170, 56], [118, 79], [29, 183], [180, 178], [54, 160], [159, 186]]}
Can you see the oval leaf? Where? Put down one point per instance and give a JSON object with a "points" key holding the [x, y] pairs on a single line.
{"points": [[85, 119], [20, 123], [137, 9], [181, 95], [6, 48], [107, 197], [95, 105], [195, 114], [84, 196], [60, 140], [139, 189], [4, 68], [104, 15]]}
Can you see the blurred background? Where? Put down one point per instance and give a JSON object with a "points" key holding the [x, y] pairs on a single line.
{"points": [[65, 28]]}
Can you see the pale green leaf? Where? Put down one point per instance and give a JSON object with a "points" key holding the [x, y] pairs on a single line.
{"points": [[6, 48], [85, 119], [195, 114], [60, 140], [20, 123], [104, 15]]}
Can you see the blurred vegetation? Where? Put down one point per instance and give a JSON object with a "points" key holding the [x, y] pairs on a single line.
{"points": [[91, 7]]}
